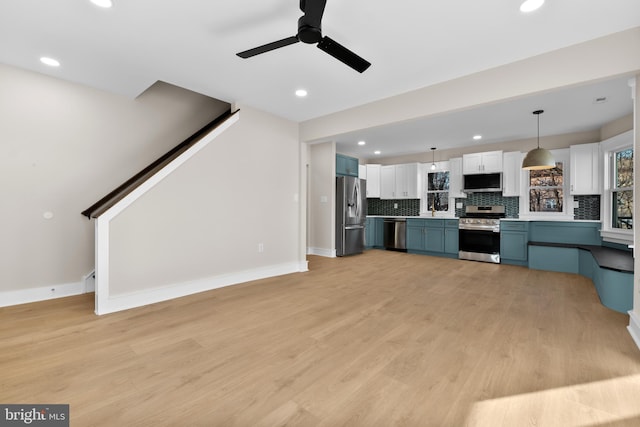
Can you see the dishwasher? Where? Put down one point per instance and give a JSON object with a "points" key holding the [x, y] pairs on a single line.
{"points": [[395, 234]]}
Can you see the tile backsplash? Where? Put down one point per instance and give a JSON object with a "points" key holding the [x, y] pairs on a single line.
{"points": [[589, 206], [511, 204], [406, 207]]}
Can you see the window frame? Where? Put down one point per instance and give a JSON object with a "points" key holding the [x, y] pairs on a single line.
{"points": [[609, 147], [561, 155], [425, 209]]}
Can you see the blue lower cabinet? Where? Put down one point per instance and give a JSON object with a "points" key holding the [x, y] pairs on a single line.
{"points": [[563, 260], [451, 240], [415, 237], [514, 238], [615, 289], [513, 246], [434, 239], [369, 232], [374, 233]]}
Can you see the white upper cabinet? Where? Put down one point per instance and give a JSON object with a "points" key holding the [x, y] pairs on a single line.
{"points": [[373, 180], [487, 162], [586, 169], [512, 171], [388, 182], [455, 178], [400, 181], [407, 181], [362, 171]]}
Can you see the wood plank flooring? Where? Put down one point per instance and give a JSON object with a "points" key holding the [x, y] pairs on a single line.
{"points": [[379, 339]]}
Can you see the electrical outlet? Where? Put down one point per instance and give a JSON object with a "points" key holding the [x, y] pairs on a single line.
{"points": [[260, 247], [458, 205], [576, 204], [395, 206]]}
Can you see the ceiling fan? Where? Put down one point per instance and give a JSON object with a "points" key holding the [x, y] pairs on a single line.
{"points": [[309, 31]]}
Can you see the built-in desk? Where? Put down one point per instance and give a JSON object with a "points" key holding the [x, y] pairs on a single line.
{"points": [[610, 269]]}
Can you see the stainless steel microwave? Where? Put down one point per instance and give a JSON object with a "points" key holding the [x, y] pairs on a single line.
{"points": [[483, 182]]}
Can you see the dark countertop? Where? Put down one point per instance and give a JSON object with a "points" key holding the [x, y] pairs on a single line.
{"points": [[609, 258]]}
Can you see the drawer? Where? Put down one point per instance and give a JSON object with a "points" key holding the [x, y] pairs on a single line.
{"points": [[514, 225], [451, 223]]}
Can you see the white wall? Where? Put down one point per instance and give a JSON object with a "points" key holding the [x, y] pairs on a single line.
{"points": [[205, 221], [602, 58], [322, 183], [63, 146]]}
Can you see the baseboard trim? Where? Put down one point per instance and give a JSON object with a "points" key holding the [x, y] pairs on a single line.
{"points": [[634, 327], [329, 253], [25, 296], [151, 296]]}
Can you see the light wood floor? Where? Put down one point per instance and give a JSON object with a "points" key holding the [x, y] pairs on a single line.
{"points": [[379, 339]]}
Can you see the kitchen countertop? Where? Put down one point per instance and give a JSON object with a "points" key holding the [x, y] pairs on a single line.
{"points": [[502, 219], [609, 258], [412, 216]]}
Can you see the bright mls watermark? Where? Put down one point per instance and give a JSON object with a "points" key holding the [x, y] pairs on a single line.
{"points": [[34, 415]]}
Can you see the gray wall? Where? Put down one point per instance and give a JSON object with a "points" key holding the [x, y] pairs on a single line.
{"points": [[64, 146], [206, 219]]}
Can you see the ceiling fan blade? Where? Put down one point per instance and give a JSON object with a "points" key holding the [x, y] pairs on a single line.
{"points": [[268, 47], [343, 54], [313, 11]]}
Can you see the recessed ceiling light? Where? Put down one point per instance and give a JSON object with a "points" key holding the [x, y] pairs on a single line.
{"points": [[50, 61], [103, 3], [376, 152], [531, 5], [477, 137], [361, 142], [301, 93]]}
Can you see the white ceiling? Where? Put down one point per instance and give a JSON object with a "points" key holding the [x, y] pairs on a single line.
{"points": [[411, 44]]}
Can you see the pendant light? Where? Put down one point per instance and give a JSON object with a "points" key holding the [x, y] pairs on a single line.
{"points": [[433, 160], [538, 158]]}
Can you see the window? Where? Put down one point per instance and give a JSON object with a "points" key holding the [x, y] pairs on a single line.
{"points": [[617, 198], [622, 189], [546, 189], [438, 191]]}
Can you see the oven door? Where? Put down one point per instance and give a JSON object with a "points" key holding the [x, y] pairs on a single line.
{"points": [[479, 245]]}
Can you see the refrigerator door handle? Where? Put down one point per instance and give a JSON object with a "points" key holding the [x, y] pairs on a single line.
{"points": [[353, 227]]}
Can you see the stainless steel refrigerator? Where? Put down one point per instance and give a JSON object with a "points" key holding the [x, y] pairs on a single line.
{"points": [[351, 214]]}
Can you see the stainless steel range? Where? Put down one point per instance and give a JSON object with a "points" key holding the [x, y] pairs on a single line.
{"points": [[479, 233]]}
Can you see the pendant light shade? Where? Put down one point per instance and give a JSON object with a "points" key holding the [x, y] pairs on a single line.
{"points": [[433, 160], [538, 158]]}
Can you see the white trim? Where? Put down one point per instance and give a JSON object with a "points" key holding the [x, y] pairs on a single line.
{"points": [[44, 293], [89, 281], [634, 327], [614, 236], [102, 264], [152, 296], [329, 253], [560, 155]]}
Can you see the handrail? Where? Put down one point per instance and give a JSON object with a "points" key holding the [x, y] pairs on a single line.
{"points": [[108, 201]]}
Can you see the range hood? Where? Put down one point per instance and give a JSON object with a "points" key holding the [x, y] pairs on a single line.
{"points": [[482, 183]]}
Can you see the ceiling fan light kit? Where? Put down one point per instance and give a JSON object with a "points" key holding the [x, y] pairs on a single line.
{"points": [[310, 32], [538, 158]]}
